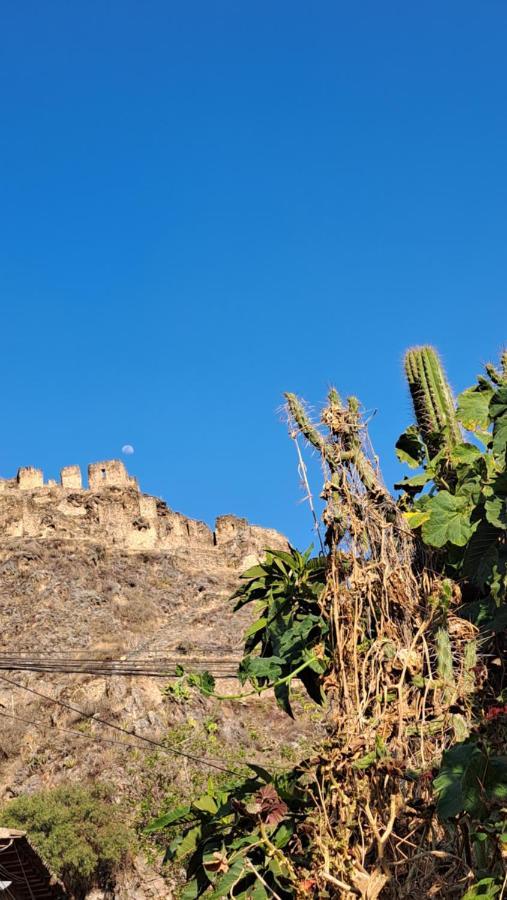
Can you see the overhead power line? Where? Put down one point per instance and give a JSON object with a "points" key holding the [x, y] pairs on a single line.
{"points": [[161, 667], [167, 749]]}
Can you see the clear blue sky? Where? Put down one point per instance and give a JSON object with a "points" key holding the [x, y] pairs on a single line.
{"points": [[204, 204]]}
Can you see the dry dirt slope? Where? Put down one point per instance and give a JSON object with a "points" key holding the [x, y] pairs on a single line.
{"points": [[69, 585]]}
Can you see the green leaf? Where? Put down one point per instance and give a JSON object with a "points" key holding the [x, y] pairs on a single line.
{"points": [[261, 773], [283, 835], [496, 779], [254, 572], [498, 405], [206, 803], [487, 888], [416, 518], [257, 626], [189, 842], [481, 554], [449, 521], [224, 884], [473, 407], [253, 667], [410, 448], [180, 814], [192, 890], [500, 437], [257, 892], [365, 761], [496, 511], [465, 454], [459, 784], [282, 695], [416, 481]]}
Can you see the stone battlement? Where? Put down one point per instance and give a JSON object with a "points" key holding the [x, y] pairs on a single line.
{"points": [[100, 474], [114, 513]]}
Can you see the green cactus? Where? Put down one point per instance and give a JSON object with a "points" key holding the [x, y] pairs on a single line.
{"points": [[343, 446], [298, 413], [444, 656], [432, 399], [469, 664]]}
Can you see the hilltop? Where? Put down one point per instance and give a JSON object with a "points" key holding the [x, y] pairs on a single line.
{"points": [[106, 571]]}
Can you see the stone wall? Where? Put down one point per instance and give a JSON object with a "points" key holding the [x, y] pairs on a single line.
{"points": [[70, 477], [109, 472], [29, 478], [114, 513]]}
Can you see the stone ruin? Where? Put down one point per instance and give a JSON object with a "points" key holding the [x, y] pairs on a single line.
{"points": [[110, 472], [113, 512]]}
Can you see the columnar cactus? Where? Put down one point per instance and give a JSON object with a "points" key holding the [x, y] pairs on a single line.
{"points": [[432, 399], [343, 446]]}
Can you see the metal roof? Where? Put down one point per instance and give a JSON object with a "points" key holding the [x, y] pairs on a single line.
{"points": [[23, 874]]}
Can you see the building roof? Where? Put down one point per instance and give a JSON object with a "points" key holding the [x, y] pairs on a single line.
{"points": [[23, 874]]}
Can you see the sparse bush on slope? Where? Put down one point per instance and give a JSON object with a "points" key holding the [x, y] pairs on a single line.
{"points": [[76, 830]]}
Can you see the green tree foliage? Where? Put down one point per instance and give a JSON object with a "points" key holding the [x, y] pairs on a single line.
{"points": [[289, 637], [75, 829]]}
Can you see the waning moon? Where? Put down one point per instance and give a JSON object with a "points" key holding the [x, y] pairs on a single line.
{"points": [[127, 449]]}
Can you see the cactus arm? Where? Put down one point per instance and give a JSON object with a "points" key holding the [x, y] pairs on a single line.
{"points": [[432, 398]]}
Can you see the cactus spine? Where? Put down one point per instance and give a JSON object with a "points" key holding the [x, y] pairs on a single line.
{"points": [[432, 399]]}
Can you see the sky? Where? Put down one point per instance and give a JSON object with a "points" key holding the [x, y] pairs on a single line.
{"points": [[205, 204]]}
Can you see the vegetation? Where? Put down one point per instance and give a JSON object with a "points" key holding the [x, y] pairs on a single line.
{"points": [[72, 828], [398, 630]]}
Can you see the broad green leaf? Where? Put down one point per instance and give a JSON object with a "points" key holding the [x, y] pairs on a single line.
{"points": [[257, 892], [449, 521], [459, 784], [496, 778], [260, 667], [417, 481], [465, 453], [500, 437], [473, 407], [487, 888], [498, 405], [496, 511], [410, 448], [416, 518], [481, 555], [283, 834], [206, 803]]}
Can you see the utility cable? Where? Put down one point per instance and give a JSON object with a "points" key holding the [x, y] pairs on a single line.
{"points": [[47, 726], [85, 715]]}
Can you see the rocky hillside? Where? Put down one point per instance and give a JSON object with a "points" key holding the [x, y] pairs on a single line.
{"points": [[106, 573]]}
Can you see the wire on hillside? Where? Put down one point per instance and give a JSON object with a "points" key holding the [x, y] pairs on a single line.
{"points": [[48, 726], [198, 759]]}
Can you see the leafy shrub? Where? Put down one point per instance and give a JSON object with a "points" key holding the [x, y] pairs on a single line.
{"points": [[75, 830], [234, 838]]}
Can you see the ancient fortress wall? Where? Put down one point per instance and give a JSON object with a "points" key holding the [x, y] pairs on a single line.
{"points": [[113, 512]]}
